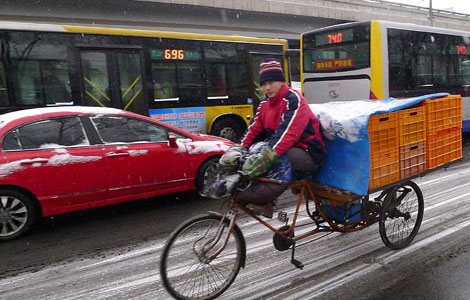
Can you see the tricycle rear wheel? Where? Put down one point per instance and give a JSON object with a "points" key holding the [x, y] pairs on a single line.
{"points": [[401, 216]]}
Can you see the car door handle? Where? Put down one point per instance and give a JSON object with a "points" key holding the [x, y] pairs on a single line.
{"points": [[114, 154], [34, 161]]}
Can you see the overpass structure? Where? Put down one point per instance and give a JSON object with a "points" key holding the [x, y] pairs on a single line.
{"points": [[262, 18], [259, 18]]}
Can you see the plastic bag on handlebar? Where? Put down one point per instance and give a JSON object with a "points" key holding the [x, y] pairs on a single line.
{"points": [[233, 154], [220, 181]]}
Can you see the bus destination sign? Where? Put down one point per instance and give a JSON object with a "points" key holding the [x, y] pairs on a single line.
{"points": [[174, 54], [339, 63], [345, 35]]}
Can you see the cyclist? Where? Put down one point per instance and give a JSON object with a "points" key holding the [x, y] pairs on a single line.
{"points": [[284, 120]]}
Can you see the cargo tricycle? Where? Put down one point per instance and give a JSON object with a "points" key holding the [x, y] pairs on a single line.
{"points": [[203, 256]]}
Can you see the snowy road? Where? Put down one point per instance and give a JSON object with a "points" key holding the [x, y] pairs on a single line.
{"points": [[354, 264]]}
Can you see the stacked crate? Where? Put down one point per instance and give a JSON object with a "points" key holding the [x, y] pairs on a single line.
{"points": [[410, 141], [443, 130], [412, 129], [384, 152]]}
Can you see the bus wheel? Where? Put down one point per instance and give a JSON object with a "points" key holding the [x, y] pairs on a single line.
{"points": [[228, 128]]}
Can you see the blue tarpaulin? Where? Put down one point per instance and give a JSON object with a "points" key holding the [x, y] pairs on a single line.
{"points": [[344, 126]]}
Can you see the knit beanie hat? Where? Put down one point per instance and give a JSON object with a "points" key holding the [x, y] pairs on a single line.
{"points": [[270, 70]]}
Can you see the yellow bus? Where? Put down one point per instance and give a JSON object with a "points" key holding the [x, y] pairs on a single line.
{"points": [[201, 83], [381, 59]]}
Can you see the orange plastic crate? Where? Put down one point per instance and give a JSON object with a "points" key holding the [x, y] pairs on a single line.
{"points": [[384, 168], [443, 147], [412, 159], [443, 113], [383, 132], [412, 125]]}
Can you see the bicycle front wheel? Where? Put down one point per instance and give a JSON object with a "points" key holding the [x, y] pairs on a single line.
{"points": [[189, 266]]}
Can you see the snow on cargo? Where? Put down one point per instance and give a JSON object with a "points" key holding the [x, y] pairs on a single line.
{"points": [[8, 117], [344, 125], [346, 118], [202, 147]]}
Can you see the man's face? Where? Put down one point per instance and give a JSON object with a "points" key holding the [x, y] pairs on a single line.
{"points": [[271, 88]]}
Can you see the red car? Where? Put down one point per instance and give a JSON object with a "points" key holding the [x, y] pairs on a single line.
{"points": [[63, 159]]}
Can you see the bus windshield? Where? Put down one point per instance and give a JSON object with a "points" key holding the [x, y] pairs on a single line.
{"points": [[342, 49]]}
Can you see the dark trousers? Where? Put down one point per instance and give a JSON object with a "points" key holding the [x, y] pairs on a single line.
{"points": [[265, 192]]}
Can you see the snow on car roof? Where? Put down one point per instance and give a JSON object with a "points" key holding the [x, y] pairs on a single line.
{"points": [[8, 117]]}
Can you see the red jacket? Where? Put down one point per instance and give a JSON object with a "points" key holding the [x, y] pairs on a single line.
{"points": [[285, 120]]}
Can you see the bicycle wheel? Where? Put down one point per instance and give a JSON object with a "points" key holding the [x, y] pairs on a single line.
{"points": [[401, 215], [185, 267]]}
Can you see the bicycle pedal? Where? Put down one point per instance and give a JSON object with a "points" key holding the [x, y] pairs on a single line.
{"points": [[297, 264], [282, 217]]}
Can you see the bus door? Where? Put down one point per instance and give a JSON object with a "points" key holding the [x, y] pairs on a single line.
{"points": [[254, 87], [113, 78]]}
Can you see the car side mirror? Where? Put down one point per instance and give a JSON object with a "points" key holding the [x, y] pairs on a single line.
{"points": [[172, 139]]}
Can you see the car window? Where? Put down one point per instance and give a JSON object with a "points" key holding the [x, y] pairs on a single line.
{"points": [[47, 134], [11, 141], [118, 129]]}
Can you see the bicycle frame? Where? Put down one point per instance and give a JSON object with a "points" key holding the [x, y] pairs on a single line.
{"points": [[307, 192]]}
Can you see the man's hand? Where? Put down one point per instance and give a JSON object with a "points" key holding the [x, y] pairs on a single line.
{"points": [[232, 155], [259, 163]]}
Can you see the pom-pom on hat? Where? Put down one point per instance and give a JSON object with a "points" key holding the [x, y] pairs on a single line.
{"points": [[270, 70]]}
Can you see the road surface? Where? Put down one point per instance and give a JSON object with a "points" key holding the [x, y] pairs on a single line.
{"points": [[113, 253]]}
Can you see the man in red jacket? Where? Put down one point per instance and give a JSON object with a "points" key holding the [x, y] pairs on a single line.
{"points": [[284, 120]]}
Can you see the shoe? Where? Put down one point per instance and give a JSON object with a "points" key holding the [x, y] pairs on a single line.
{"points": [[266, 210]]}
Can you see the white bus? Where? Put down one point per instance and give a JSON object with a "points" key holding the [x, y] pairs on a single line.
{"points": [[381, 59]]}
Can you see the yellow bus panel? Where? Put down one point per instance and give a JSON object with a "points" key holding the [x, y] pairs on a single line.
{"points": [[376, 70]]}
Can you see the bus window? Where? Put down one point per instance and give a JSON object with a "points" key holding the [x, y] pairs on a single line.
{"points": [[53, 86], [463, 71], [225, 73], [130, 77], [189, 79], [3, 86], [422, 62], [336, 51], [237, 82], [460, 64], [216, 76], [95, 75], [164, 81], [41, 75], [177, 77]]}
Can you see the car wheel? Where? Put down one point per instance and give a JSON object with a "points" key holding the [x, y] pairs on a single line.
{"points": [[202, 172], [17, 214], [228, 128]]}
